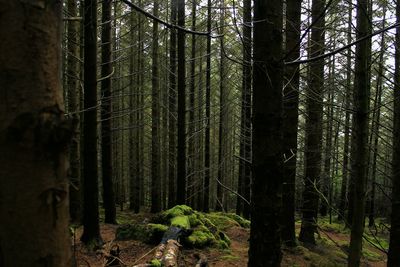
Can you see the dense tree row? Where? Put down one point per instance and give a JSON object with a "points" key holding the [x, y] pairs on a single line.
{"points": [[265, 108]]}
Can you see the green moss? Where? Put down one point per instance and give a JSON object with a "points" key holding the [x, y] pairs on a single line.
{"points": [[181, 222], [155, 263], [240, 220], [371, 255], [195, 219], [221, 221], [148, 233], [179, 210], [201, 238]]}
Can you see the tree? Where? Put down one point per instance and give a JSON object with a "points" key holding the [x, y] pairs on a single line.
{"points": [[106, 136], [181, 150], [206, 205], [359, 150], [33, 137], [313, 132], [75, 203], [394, 246], [172, 111], [155, 121], [290, 121], [267, 138], [244, 179], [91, 228]]}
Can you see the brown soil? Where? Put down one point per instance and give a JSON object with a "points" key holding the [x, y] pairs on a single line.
{"points": [[134, 252]]}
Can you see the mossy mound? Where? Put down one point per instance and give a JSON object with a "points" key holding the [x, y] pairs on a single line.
{"points": [[181, 221], [240, 220], [179, 210], [148, 233], [221, 220]]}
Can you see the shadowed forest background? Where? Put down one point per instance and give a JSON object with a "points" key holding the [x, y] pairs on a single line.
{"points": [[199, 133]]}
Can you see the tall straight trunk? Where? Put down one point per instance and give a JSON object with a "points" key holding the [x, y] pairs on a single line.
{"points": [[140, 188], [394, 246], [222, 133], [245, 118], [290, 121], [343, 187], [265, 241], [106, 111], [34, 136], [75, 205], [359, 150], [91, 229], [181, 149], [374, 136], [313, 132], [326, 178], [133, 137], [192, 176], [206, 205], [172, 111], [155, 120]]}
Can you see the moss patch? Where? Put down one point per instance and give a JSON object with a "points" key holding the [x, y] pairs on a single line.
{"points": [[147, 233], [181, 222], [155, 263], [221, 220]]}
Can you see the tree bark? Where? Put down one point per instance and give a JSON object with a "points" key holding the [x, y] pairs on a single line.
{"points": [[290, 121], [33, 137], [265, 242], [181, 150], [155, 121], [106, 111], [313, 134], [394, 246], [91, 232], [359, 150]]}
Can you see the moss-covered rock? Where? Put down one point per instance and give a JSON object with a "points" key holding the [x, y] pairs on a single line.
{"points": [[178, 210], [148, 233], [221, 220], [201, 237], [240, 220], [181, 221]]}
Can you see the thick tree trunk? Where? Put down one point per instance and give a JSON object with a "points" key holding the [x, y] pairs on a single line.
{"points": [[91, 233], [394, 246], [106, 100], [33, 137], [265, 242], [313, 134], [290, 121], [75, 203], [155, 120], [359, 150], [181, 150]]}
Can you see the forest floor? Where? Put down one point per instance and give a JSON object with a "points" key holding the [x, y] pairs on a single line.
{"points": [[331, 248]]}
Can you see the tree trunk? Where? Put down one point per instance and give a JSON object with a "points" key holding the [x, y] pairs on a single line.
{"points": [[75, 203], [172, 112], [91, 232], [267, 138], [155, 121], [206, 205], [394, 246], [359, 136], [33, 137], [290, 121], [181, 151], [313, 134], [106, 137]]}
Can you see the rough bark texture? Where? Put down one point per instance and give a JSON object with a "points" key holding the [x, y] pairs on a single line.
{"points": [[359, 150], [394, 246], [245, 120], [91, 233], [155, 120], [267, 136], [181, 153], [33, 137], [75, 203], [313, 134], [290, 121], [106, 137]]}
